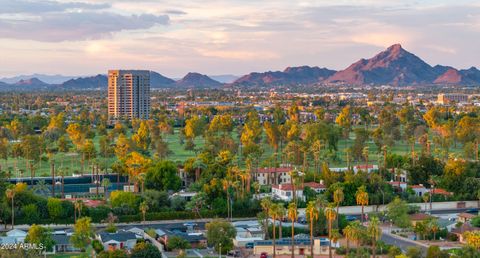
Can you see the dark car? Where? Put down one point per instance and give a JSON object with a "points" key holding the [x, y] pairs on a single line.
{"points": [[249, 245], [263, 255], [351, 218], [472, 211]]}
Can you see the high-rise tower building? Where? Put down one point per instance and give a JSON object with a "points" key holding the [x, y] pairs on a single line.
{"points": [[128, 94]]}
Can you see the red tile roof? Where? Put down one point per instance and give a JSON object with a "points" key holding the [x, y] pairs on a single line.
{"points": [[419, 216], [440, 191], [466, 215], [417, 186]]}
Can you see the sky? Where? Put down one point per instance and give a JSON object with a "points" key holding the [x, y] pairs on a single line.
{"points": [[174, 37]]}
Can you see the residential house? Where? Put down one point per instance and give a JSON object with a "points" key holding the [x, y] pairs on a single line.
{"points": [[419, 190], [18, 235], [271, 176], [364, 167], [247, 232], [285, 191], [118, 240], [63, 244], [465, 217], [459, 231], [402, 186]]}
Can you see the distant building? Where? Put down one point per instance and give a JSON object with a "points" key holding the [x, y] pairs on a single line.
{"points": [[270, 176], [451, 98], [128, 94], [301, 246], [285, 191]]}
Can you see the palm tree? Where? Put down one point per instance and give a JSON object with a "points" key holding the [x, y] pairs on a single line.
{"points": [[426, 198], [293, 181], [42, 188], [198, 165], [140, 178], [330, 215], [77, 205], [312, 214], [10, 193], [362, 199], [281, 214], [338, 197], [266, 204], [143, 208], [351, 232], [293, 216], [433, 226], [274, 213], [365, 155], [374, 232], [105, 184], [226, 188]]}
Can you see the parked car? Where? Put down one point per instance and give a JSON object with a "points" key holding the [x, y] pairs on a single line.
{"points": [[249, 245], [263, 255]]}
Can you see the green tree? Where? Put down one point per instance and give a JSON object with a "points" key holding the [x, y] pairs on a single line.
{"points": [[120, 198], [41, 237], [82, 234], [144, 249], [163, 176], [55, 208], [118, 253], [397, 211], [177, 243], [221, 232]]}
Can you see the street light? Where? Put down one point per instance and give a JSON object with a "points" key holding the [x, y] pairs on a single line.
{"points": [[220, 253]]}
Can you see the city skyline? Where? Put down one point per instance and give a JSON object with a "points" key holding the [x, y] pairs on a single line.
{"points": [[228, 37]]}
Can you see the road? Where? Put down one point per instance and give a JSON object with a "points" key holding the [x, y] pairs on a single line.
{"points": [[402, 244]]}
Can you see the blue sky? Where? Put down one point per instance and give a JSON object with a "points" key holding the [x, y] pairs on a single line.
{"points": [[173, 37]]}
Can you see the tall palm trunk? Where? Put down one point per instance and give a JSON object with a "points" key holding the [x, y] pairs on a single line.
{"points": [[293, 239], [311, 237], [274, 247], [374, 247], [330, 238], [363, 214], [348, 247]]}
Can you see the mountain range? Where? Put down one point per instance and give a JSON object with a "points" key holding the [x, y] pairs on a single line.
{"points": [[393, 66]]}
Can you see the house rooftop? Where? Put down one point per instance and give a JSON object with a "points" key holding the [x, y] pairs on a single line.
{"points": [[120, 236], [274, 170], [420, 216]]}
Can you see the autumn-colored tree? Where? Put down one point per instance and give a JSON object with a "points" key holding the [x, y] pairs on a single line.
{"points": [[344, 120], [142, 137], [361, 197]]}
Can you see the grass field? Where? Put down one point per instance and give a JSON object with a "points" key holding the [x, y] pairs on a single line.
{"points": [[72, 161]]}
